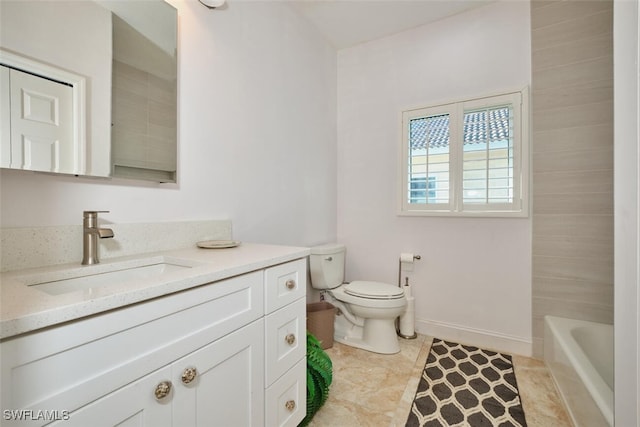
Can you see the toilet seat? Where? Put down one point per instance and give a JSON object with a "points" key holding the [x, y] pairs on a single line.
{"points": [[340, 293], [373, 290]]}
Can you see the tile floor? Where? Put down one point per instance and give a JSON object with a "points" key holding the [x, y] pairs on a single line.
{"points": [[376, 390]]}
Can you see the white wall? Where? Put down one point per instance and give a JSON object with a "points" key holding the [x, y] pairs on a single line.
{"points": [[474, 279], [257, 136], [627, 212]]}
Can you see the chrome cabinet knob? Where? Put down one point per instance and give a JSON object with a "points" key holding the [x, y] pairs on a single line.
{"points": [[162, 390], [290, 405], [290, 284], [188, 375], [290, 339]]}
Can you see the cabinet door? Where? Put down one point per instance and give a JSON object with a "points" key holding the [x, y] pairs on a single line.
{"points": [[132, 405], [285, 340], [222, 384], [284, 284], [286, 399], [5, 118], [41, 124]]}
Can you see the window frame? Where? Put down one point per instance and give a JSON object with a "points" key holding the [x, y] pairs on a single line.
{"points": [[519, 207]]}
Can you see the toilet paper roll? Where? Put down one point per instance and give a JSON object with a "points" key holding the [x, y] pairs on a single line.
{"points": [[407, 290], [406, 261], [407, 320], [406, 257]]}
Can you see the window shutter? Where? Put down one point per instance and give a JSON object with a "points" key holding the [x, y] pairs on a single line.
{"points": [[429, 147], [487, 156], [466, 158]]}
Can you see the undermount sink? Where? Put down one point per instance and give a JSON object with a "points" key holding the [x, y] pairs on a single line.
{"points": [[106, 274]]}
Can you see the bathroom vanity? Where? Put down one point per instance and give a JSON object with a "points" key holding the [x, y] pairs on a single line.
{"points": [[221, 341]]}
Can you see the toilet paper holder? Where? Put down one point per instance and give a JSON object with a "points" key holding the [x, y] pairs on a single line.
{"points": [[406, 321], [405, 257]]}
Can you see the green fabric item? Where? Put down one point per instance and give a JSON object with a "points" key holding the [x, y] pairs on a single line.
{"points": [[319, 377]]}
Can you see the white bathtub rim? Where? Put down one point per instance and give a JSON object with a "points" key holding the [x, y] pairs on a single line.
{"points": [[589, 376]]}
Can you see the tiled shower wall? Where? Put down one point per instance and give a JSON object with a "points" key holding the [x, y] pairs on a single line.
{"points": [[144, 124], [572, 151]]}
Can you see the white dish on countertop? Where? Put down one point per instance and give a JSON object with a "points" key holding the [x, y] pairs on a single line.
{"points": [[218, 244]]}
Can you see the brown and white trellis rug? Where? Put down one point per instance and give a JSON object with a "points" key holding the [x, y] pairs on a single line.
{"points": [[466, 386]]}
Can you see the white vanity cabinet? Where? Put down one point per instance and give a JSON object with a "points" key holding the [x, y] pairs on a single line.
{"points": [[217, 385], [199, 357], [285, 344]]}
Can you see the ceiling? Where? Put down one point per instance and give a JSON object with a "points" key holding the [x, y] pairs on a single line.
{"points": [[346, 23]]}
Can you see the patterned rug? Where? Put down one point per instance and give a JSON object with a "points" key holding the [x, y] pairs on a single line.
{"points": [[466, 386]]}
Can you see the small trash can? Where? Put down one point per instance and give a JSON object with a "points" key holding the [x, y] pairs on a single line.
{"points": [[320, 317]]}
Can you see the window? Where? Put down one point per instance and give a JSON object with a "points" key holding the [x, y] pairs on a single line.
{"points": [[421, 191], [466, 158]]}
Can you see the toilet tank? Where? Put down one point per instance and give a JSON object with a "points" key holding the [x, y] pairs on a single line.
{"points": [[326, 265]]}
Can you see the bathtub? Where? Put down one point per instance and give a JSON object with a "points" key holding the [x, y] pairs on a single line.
{"points": [[579, 355]]}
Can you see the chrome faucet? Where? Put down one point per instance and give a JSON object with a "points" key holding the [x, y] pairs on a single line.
{"points": [[90, 236]]}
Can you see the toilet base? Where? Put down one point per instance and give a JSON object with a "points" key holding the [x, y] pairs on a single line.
{"points": [[377, 335]]}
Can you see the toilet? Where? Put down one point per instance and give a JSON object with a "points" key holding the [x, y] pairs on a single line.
{"points": [[366, 310]]}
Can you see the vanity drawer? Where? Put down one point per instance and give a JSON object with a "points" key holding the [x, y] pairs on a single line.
{"points": [[286, 399], [67, 366], [284, 284], [285, 339]]}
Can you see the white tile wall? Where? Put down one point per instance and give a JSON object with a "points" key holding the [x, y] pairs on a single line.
{"points": [[572, 128], [144, 116]]}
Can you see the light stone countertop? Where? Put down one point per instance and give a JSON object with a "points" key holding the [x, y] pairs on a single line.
{"points": [[24, 308]]}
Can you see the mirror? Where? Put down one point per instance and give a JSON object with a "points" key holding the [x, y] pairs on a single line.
{"points": [[119, 59]]}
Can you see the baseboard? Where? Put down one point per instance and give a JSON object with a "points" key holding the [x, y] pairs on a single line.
{"points": [[476, 337]]}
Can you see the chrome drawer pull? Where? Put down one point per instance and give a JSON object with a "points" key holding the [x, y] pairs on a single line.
{"points": [[188, 375], [162, 390], [290, 284], [290, 405], [290, 339]]}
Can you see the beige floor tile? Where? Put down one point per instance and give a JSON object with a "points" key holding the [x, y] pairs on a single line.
{"points": [[377, 390], [343, 413], [540, 399]]}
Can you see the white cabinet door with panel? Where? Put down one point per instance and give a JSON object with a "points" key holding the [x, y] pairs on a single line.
{"points": [[5, 118], [286, 399], [41, 124], [222, 383], [284, 284], [144, 403], [285, 339]]}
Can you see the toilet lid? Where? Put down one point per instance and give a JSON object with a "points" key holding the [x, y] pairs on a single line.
{"points": [[373, 290]]}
